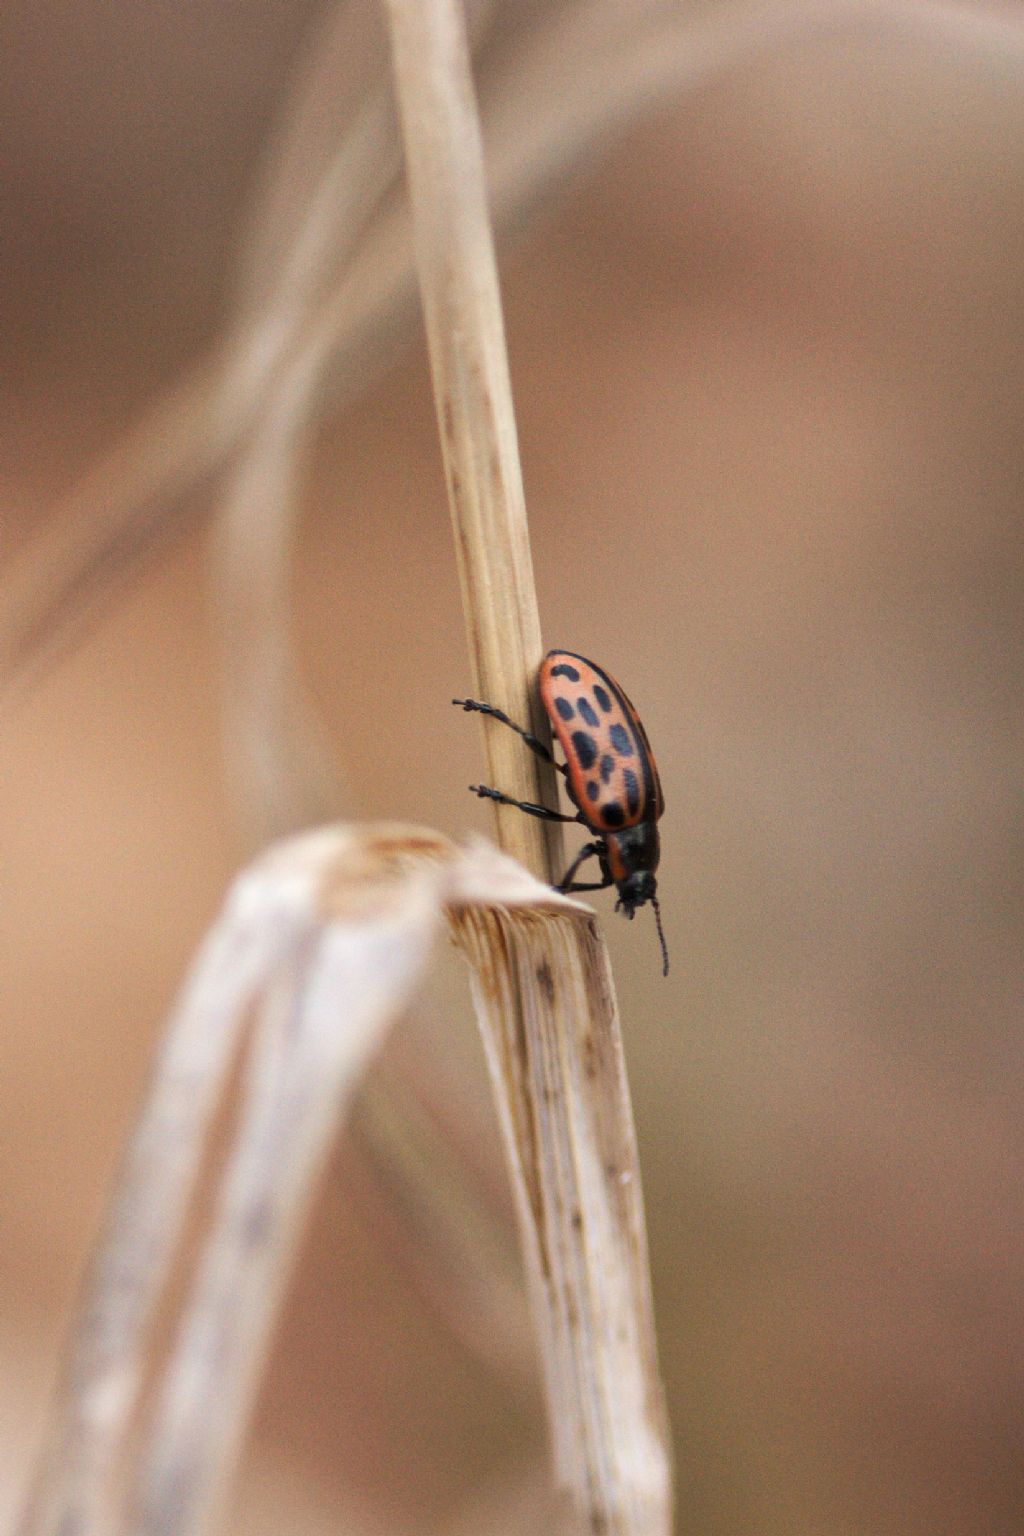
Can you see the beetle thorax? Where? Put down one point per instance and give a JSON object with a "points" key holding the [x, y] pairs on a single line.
{"points": [[634, 850]]}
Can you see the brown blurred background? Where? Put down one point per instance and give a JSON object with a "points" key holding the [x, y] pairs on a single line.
{"points": [[767, 359]]}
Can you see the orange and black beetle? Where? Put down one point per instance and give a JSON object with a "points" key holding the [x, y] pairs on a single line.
{"points": [[610, 776]]}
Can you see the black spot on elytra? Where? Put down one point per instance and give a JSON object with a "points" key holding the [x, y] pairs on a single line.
{"points": [[587, 710], [632, 791], [620, 740], [564, 670], [564, 708], [593, 789], [585, 748], [607, 767], [612, 814], [601, 695]]}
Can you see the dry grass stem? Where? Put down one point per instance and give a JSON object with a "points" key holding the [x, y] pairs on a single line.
{"points": [[319, 949], [473, 395], [554, 1051]]}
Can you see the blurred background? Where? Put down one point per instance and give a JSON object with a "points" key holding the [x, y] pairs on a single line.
{"points": [[766, 334]]}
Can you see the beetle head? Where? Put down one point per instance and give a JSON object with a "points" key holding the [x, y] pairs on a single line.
{"points": [[635, 891]]}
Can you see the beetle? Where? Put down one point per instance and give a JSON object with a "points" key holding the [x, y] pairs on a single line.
{"points": [[610, 776]]}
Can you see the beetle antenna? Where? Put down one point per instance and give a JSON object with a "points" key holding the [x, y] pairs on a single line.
{"points": [[661, 936]]}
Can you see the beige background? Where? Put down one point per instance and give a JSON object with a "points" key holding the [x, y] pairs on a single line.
{"points": [[768, 368]]}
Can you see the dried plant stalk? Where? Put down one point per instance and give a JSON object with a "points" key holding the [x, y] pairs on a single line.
{"points": [[473, 395], [319, 948], [559, 1082], [554, 1049], [266, 965]]}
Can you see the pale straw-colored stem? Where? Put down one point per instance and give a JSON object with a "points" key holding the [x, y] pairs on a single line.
{"points": [[469, 367], [558, 1075], [317, 953]]}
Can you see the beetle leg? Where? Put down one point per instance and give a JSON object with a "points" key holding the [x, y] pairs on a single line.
{"points": [[533, 742], [588, 851], [540, 811]]}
